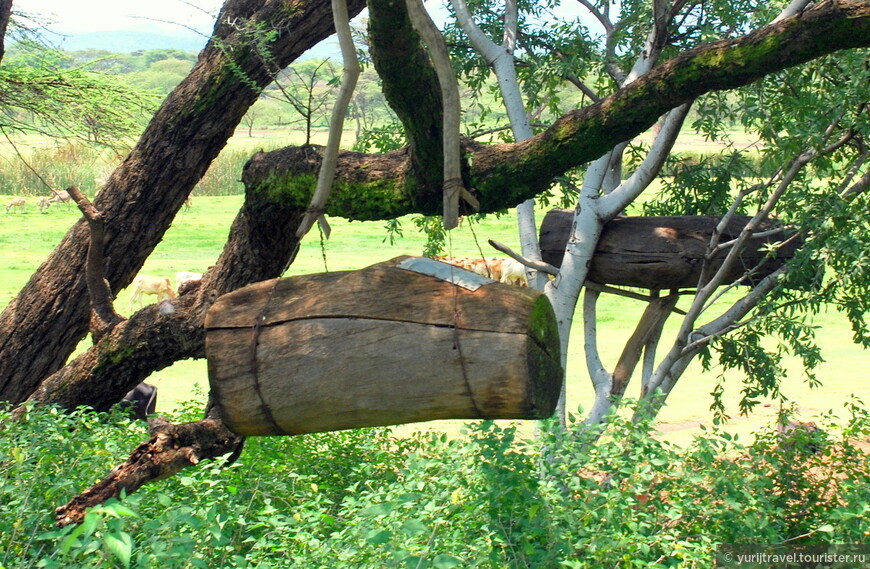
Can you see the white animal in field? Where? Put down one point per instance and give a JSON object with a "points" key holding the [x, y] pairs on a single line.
{"points": [[145, 284], [16, 203], [513, 272], [42, 204], [182, 277]]}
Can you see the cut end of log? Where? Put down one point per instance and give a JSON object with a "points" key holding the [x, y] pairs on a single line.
{"points": [[665, 252]]}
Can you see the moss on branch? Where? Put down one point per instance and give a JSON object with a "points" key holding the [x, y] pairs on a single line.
{"points": [[386, 186]]}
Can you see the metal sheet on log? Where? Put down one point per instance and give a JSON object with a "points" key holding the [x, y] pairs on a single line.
{"points": [[663, 252], [380, 346]]}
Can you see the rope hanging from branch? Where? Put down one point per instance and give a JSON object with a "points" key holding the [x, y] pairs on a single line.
{"points": [[349, 77], [453, 187]]}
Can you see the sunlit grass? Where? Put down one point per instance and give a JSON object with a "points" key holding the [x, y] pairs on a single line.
{"points": [[197, 236]]}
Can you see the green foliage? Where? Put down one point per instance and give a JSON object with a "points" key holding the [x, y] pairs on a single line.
{"points": [[486, 499], [38, 94], [436, 235]]}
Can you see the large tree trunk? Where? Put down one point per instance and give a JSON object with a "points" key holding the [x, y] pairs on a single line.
{"points": [[5, 13], [44, 323]]}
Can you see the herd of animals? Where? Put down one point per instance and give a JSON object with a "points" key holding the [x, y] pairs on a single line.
{"points": [[19, 204]]}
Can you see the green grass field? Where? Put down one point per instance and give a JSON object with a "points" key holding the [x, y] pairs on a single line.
{"points": [[197, 236]]}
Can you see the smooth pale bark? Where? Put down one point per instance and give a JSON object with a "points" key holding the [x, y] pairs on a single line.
{"points": [[501, 59], [611, 200], [349, 77]]}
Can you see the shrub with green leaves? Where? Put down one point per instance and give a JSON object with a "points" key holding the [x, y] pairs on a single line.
{"points": [[489, 499]]}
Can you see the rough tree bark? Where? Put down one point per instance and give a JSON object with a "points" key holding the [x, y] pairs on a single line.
{"points": [[47, 319], [5, 13], [173, 448], [511, 173]]}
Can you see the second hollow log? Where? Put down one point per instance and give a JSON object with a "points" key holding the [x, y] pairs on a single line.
{"points": [[384, 345], [663, 252]]}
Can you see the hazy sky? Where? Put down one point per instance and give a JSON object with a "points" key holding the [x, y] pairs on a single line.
{"points": [[96, 15]]}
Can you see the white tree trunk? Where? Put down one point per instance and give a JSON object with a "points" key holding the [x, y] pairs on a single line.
{"points": [[602, 197]]}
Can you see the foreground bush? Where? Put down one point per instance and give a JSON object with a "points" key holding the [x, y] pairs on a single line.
{"points": [[370, 500]]}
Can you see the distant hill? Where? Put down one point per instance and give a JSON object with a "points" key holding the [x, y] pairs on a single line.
{"points": [[147, 37], [126, 41]]}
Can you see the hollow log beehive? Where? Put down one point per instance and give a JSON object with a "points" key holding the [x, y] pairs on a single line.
{"points": [[384, 345], [664, 252]]}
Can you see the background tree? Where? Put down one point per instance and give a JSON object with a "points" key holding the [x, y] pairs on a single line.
{"points": [[604, 193], [249, 119], [308, 87]]}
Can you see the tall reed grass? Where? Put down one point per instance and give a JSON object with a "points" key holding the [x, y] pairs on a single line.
{"points": [[38, 170]]}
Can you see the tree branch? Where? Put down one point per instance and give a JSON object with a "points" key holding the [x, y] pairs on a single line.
{"points": [[505, 175], [336, 123], [5, 13], [41, 327], [648, 329], [171, 449], [103, 315], [453, 187]]}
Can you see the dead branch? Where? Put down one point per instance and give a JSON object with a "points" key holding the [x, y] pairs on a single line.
{"points": [[171, 449], [103, 314], [649, 328], [530, 263]]}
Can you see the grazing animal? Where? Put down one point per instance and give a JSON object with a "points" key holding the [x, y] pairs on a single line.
{"points": [[182, 277], [142, 400], [17, 203], [60, 196], [159, 286], [42, 204], [513, 272], [802, 436]]}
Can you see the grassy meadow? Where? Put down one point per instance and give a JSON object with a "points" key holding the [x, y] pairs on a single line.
{"points": [[197, 236]]}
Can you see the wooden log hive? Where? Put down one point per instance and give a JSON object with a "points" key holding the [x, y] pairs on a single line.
{"points": [[380, 346], [663, 252]]}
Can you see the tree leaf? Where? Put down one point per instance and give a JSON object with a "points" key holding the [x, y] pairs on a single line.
{"points": [[121, 546], [444, 561]]}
